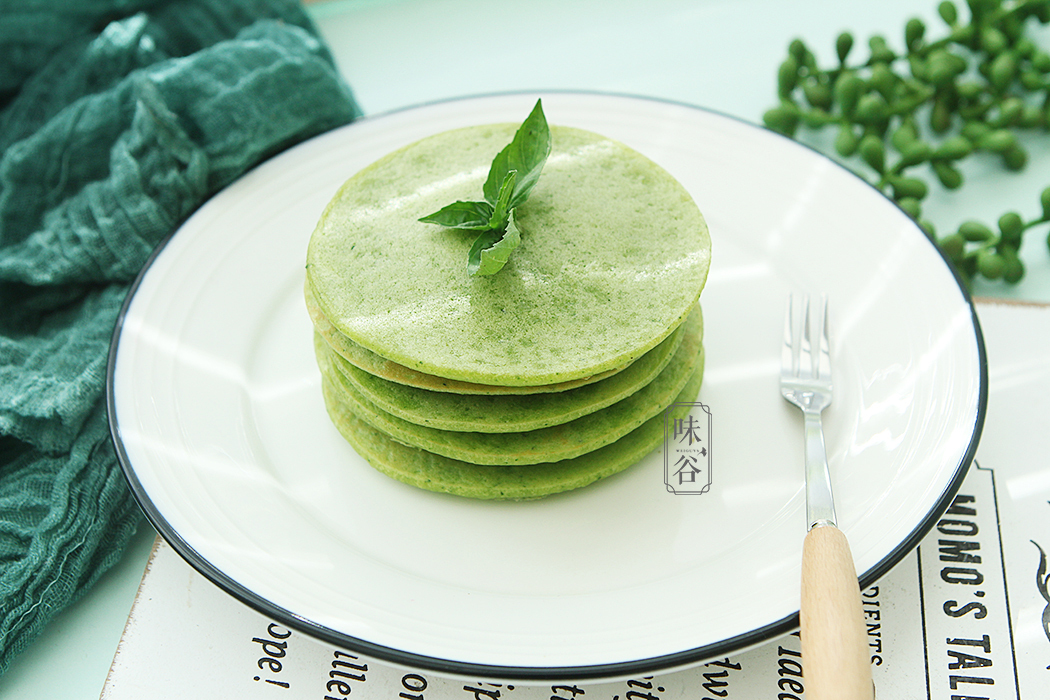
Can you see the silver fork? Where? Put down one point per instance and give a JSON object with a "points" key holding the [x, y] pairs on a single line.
{"points": [[835, 651]]}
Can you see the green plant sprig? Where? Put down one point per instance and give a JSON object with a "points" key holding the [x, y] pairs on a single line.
{"points": [[930, 107], [512, 175]]}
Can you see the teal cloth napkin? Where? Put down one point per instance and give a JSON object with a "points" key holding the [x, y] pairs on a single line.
{"points": [[117, 119]]}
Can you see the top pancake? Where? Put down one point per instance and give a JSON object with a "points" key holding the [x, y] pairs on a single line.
{"points": [[614, 254]]}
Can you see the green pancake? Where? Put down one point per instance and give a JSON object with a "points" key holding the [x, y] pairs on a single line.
{"points": [[614, 254], [510, 414], [433, 472], [383, 368], [551, 444]]}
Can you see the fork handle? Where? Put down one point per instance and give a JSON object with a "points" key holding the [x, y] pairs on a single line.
{"points": [[820, 505], [835, 652]]}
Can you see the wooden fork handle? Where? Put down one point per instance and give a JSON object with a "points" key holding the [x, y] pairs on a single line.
{"points": [[835, 655]]}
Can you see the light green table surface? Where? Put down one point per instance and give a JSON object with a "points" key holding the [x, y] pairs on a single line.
{"points": [[719, 54]]}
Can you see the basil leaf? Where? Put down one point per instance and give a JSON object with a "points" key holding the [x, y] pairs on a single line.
{"points": [[512, 175], [500, 209], [526, 153], [472, 216], [492, 249]]}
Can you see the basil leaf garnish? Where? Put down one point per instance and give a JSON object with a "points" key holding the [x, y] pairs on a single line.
{"points": [[491, 249], [512, 176], [474, 216], [526, 154], [501, 207]]}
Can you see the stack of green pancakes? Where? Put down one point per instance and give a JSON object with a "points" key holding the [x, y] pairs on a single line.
{"points": [[546, 376]]}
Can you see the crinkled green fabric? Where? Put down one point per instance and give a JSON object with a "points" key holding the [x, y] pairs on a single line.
{"points": [[117, 119]]}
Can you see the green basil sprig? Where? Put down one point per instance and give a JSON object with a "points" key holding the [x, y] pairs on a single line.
{"points": [[512, 175]]}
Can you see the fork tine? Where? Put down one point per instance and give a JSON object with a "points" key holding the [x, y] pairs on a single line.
{"points": [[806, 367], [806, 353], [824, 362]]}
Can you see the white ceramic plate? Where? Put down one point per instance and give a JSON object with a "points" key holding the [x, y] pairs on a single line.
{"points": [[217, 414]]}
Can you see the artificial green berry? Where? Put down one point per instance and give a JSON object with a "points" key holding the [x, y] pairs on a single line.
{"points": [[817, 93], [975, 231], [914, 30], [816, 117], [948, 174], [1032, 80], [980, 8], [969, 90], [908, 187], [916, 152], [787, 77], [960, 63], [963, 35], [1025, 47], [953, 148], [948, 12], [1032, 117], [941, 116], [883, 80], [873, 152], [880, 50], [911, 206], [993, 41], [1041, 61], [846, 141], [975, 130], [911, 95], [953, 245], [1010, 111], [1003, 69], [990, 264], [940, 68], [903, 136], [977, 111], [1013, 268], [871, 108], [843, 44], [919, 67], [1015, 158], [1011, 25], [783, 119], [1010, 229], [998, 141], [797, 49], [847, 89]]}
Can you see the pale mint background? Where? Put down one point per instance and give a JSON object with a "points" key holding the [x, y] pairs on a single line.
{"points": [[719, 54]]}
